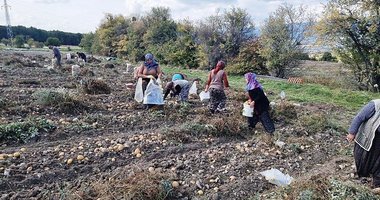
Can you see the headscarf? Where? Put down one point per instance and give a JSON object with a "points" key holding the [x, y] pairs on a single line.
{"points": [[219, 66], [252, 81], [151, 65], [177, 77]]}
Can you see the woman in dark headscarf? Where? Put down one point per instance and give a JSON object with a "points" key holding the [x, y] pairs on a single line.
{"points": [[150, 69], [365, 130], [217, 81], [260, 103]]}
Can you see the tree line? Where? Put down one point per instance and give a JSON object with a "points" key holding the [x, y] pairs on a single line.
{"points": [[351, 28], [41, 36]]}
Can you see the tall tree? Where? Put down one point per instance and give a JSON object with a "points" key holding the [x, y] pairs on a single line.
{"points": [[161, 29], [239, 29], [281, 36], [87, 41], [354, 26], [209, 36], [110, 32]]}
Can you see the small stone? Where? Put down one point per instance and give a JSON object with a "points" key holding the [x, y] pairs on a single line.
{"points": [[137, 151], [29, 169], [175, 184], [200, 192], [23, 149], [80, 157], [69, 161], [16, 154], [151, 169], [138, 155]]}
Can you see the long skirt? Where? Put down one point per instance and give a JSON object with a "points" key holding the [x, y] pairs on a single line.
{"points": [[368, 162]]}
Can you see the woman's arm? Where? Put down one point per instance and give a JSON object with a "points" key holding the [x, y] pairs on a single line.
{"points": [[225, 80], [208, 82], [159, 72], [141, 71], [365, 113]]}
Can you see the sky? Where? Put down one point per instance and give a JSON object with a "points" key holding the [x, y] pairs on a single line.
{"points": [[84, 16]]}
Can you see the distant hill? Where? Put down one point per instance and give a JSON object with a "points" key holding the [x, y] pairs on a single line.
{"points": [[41, 35]]}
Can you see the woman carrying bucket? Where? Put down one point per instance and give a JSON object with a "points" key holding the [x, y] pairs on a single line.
{"points": [[260, 103], [217, 82]]}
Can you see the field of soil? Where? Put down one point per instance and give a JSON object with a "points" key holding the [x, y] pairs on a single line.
{"points": [[107, 146]]}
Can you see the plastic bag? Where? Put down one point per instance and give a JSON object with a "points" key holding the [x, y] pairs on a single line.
{"points": [[276, 177], [159, 82], [204, 96], [193, 88], [247, 110], [54, 62], [139, 95], [153, 94]]}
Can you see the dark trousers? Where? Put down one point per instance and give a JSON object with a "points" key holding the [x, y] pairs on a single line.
{"points": [[264, 118], [368, 162]]}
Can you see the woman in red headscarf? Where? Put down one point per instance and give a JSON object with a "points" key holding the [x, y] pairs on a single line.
{"points": [[217, 81]]}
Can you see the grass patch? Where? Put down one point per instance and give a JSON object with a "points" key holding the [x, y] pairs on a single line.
{"points": [[60, 100], [306, 93], [321, 188], [24, 131], [136, 186]]}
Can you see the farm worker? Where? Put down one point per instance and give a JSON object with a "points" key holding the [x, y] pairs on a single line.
{"points": [[178, 87], [216, 83], [56, 54], [150, 69], [365, 131], [179, 76], [81, 55], [260, 103]]}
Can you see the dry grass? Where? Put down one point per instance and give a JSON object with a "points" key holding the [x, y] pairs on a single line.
{"points": [[129, 186], [96, 87]]}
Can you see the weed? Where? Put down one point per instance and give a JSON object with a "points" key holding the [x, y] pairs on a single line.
{"points": [[3, 103], [341, 190], [60, 100], [136, 186], [306, 195], [313, 122], [24, 131], [51, 97]]}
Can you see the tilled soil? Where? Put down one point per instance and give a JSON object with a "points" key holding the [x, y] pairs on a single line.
{"points": [[102, 136]]}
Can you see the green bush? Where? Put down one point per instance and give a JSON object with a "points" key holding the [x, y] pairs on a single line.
{"points": [[60, 100], [327, 56], [24, 131], [51, 98]]}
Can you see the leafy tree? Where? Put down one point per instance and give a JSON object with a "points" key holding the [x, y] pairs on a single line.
{"points": [[133, 44], [53, 41], [87, 41], [354, 27], [161, 29], [183, 51], [30, 42], [209, 36], [19, 41], [282, 34], [6, 41], [42, 35], [249, 59], [110, 32], [239, 29], [38, 44]]}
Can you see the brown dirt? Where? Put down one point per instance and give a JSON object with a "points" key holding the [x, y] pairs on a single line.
{"points": [[213, 153]]}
